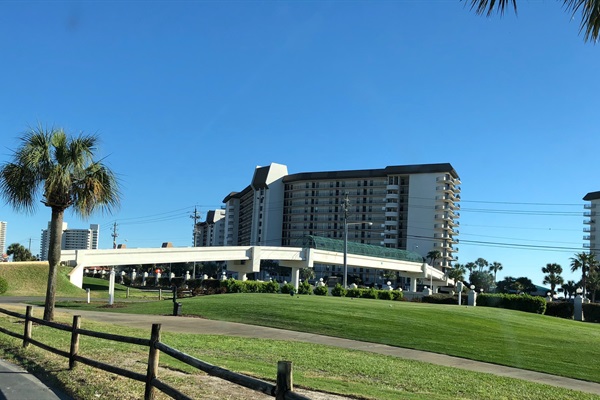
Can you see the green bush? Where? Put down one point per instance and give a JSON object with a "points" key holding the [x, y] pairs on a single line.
{"points": [[591, 312], [369, 293], [234, 286], [288, 288], [271, 287], [339, 291], [561, 309], [3, 285], [439, 298], [398, 295], [320, 290], [519, 302], [385, 295], [305, 288], [353, 292]]}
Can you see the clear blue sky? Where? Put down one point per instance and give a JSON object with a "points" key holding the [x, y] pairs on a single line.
{"points": [[188, 97]]}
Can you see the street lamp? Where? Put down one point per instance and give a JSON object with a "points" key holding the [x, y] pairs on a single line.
{"points": [[346, 223]]}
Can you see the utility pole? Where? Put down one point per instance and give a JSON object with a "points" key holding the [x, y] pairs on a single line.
{"points": [[346, 206], [195, 217], [114, 235]]}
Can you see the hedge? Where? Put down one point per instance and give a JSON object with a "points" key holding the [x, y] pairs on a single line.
{"points": [[561, 309], [440, 299], [520, 302], [591, 312]]}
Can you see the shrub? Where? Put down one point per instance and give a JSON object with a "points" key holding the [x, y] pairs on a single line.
{"points": [[519, 302], [288, 288], [561, 309], [339, 291], [271, 287], [397, 295], [369, 293], [253, 286], [591, 312], [320, 290], [3, 285], [440, 299], [234, 286], [385, 295], [305, 288], [353, 292]]}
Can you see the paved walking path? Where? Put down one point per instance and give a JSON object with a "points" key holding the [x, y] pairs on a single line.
{"points": [[18, 384], [206, 326]]}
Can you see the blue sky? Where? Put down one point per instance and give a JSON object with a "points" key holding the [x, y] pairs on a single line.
{"points": [[189, 97]]}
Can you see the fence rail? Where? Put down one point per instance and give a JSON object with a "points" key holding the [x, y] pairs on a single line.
{"points": [[282, 390]]}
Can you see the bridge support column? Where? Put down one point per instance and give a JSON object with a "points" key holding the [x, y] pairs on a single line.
{"points": [[295, 266]]}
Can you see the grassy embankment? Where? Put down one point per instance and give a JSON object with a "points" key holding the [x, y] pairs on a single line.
{"points": [[511, 338]]}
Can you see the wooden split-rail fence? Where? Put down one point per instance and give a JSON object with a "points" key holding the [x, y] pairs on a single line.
{"points": [[283, 390]]}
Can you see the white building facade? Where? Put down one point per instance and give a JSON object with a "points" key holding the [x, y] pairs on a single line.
{"points": [[413, 207], [2, 237], [212, 231], [591, 214], [72, 239]]}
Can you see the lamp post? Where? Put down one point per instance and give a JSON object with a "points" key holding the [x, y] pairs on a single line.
{"points": [[346, 223]]}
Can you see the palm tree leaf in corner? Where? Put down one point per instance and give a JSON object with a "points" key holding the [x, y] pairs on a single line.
{"points": [[589, 9], [63, 171], [488, 7]]}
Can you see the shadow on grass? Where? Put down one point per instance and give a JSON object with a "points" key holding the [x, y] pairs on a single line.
{"points": [[100, 288]]}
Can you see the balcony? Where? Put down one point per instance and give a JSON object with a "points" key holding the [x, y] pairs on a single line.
{"points": [[392, 187], [589, 229], [589, 213], [589, 237], [391, 213], [588, 221], [586, 245], [589, 206]]}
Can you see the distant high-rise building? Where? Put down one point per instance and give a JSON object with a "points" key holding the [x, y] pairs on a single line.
{"points": [[591, 212], [2, 237], [409, 207], [72, 239], [212, 231]]}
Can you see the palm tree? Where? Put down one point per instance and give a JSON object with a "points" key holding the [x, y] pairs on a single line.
{"points": [[457, 272], [495, 267], [433, 255], [481, 263], [569, 288], [585, 262], [63, 171], [590, 10], [553, 277]]}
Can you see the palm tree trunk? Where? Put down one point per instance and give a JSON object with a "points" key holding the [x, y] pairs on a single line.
{"points": [[56, 225]]}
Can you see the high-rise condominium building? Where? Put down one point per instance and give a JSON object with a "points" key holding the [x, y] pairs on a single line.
{"points": [[211, 232], [411, 207], [72, 239], [2, 237], [590, 222]]}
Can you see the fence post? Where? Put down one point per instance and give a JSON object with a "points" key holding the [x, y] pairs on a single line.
{"points": [[28, 325], [127, 296], [74, 340], [160, 294], [284, 379], [149, 393]]}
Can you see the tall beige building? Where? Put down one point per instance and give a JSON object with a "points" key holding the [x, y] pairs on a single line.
{"points": [[590, 223], [2, 237], [410, 207]]}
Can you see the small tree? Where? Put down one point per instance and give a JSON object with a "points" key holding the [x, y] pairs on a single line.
{"points": [[20, 253], [552, 277]]}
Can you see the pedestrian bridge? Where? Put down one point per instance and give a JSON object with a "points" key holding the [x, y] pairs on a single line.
{"points": [[246, 259]]}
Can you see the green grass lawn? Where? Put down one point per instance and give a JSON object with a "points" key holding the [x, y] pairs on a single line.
{"points": [[360, 374], [31, 280], [506, 337]]}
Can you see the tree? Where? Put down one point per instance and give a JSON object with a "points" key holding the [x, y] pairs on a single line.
{"points": [[20, 253], [63, 170], [481, 263], [307, 273], [569, 288], [495, 267], [553, 277], [482, 280], [457, 272], [585, 262], [590, 13], [433, 255]]}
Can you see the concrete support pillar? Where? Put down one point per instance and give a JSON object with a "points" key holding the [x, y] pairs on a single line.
{"points": [[295, 277], [413, 284], [472, 301], [578, 308]]}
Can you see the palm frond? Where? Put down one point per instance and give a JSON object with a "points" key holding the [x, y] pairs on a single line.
{"points": [[590, 17], [18, 186], [489, 6], [97, 188]]}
